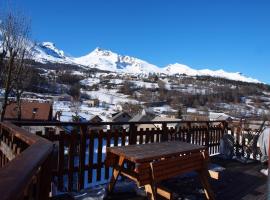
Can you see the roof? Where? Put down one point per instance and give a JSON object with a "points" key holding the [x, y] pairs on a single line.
{"points": [[30, 111], [158, 118], [95, 118], [115, 116], [140, 118]]}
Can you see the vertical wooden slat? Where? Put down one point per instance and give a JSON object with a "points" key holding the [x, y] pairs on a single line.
{"points": [[83, 130], [147, 135], [71, 154], [132, 134], [61, 161], [115, 137], [99, 155], [207, 134], [91, 156], [164, 136], [123, 137], [140, 133], [189, 132], [108, 144], [152, 135]]}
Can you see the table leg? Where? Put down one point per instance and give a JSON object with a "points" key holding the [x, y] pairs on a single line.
{"points": [[203, 175], [115, 175], [150, 191]]}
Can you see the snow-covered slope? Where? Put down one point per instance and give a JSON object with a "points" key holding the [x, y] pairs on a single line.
{"points": [[110, 61], [47, 52], [107, 60], [183, 69]]}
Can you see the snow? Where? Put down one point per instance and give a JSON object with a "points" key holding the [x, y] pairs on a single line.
{"points": [[218, 116], [184, 69], [47, 52], [90, 81], [147, 85], [110, 96], [110, 61]]}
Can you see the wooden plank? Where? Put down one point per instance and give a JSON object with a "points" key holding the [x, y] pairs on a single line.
{"points": [[71, 155], [147, 133], [91, 156], [83, 130], [108, 144], [123, 137], [99, 154], [61, 161]]}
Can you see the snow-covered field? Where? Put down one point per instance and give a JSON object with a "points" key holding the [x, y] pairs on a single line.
{"points": [[110, 96]]}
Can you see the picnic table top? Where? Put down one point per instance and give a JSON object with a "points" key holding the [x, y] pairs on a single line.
{"points": [[148, 152]]}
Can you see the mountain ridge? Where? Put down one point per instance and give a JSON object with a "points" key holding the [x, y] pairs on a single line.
{"points": [[110, 61]]}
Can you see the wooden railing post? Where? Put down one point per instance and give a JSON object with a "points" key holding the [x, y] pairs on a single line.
{"points": [[83, 130], [132, 134], [46, 178], [207, 133], [189, 132], [165, 133]]}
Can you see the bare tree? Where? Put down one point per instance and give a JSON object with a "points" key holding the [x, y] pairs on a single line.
{"points": [[14, 48]]}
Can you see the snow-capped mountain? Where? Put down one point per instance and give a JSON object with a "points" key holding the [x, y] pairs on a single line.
{"points": [[107, 60], [183, 69], [47, 52], [110, 61]]}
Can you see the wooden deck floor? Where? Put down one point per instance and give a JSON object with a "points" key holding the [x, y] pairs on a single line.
{"points": [[238, 181]]}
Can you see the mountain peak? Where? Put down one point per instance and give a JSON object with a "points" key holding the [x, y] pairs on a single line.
{"points": [[109, 61], [48, 44], [101, 52]]}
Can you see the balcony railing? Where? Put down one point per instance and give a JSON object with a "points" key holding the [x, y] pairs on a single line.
{"points": [[81, 147], [25, 164]]}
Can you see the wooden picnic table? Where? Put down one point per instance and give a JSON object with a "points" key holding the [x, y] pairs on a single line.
{"points": [[149, 164]]}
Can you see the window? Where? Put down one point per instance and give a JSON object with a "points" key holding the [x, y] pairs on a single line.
{"points": [[35, 110]]}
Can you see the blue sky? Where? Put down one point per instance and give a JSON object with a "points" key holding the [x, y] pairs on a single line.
{"points": [[229, 34]]}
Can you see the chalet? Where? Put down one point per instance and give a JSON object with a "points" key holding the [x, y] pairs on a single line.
{"points": [[34, 111], [120, 117], [195, 117], [92, 102], [95, 119], [144, 116], [166, 119]]}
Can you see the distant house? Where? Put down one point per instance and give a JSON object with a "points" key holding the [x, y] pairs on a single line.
{"points": [[34, 111], [195, 117], [96, 119], [120, 117], [65, 97], [219, 117], [144, 116], [92, 102], [167, 119]]}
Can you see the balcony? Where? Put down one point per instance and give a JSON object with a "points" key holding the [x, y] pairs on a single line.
{"points": [[69, 157]]}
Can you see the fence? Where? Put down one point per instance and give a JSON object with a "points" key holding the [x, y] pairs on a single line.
{"points": [[81, 151]]}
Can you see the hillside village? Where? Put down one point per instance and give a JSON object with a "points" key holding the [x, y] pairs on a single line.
{"points": [[78, 93]]}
